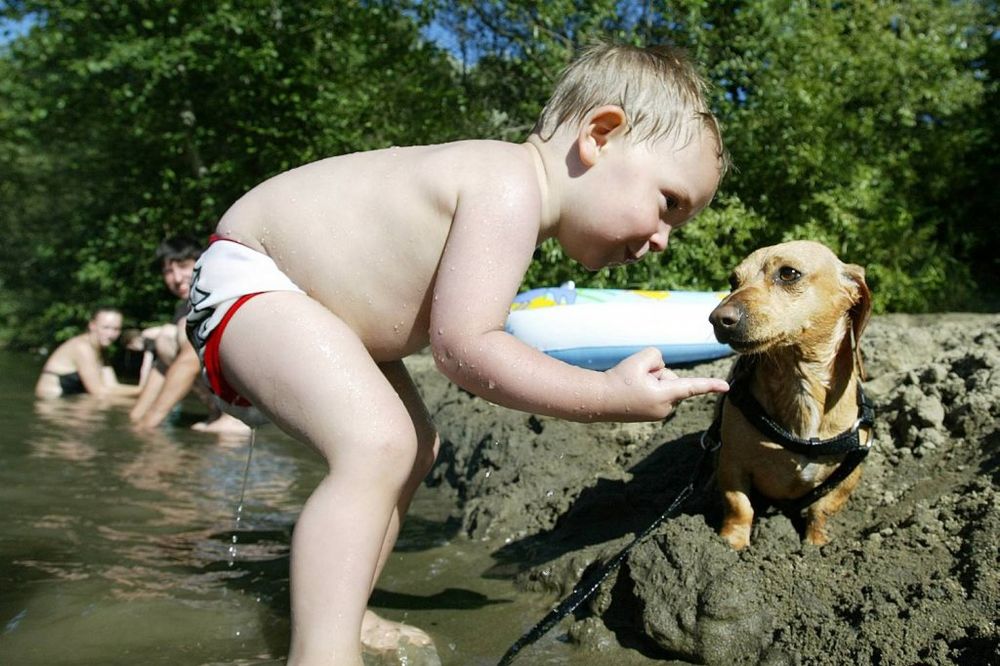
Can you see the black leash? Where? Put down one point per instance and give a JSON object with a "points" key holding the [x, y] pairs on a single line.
{"points": [[584, 590]]}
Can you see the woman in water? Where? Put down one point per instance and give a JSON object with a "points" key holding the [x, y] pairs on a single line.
{"points": [[77, 365]]}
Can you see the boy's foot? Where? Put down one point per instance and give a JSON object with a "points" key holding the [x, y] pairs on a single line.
{"points": [[224, 424], [381, 635]]}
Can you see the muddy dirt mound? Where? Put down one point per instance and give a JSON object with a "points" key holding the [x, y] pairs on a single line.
{"points": [[910, 576]]}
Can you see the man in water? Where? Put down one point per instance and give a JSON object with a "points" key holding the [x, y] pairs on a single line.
{"points": [[177, 370]]}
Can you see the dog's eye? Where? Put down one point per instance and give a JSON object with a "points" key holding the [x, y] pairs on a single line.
{"points": [[787, 274], [734, 283]]}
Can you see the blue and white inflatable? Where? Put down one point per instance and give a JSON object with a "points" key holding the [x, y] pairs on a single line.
{"points": [[597, 328]]}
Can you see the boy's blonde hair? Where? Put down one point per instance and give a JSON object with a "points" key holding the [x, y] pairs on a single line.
{"points": [[657, 87]]}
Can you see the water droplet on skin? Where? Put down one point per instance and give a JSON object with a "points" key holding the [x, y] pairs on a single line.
{"points": [[491, 384]]}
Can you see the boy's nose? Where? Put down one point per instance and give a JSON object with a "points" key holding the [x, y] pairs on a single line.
{"points": [[658, 241]]}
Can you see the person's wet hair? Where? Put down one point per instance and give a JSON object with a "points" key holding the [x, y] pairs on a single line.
{"points": [[176, 248]]}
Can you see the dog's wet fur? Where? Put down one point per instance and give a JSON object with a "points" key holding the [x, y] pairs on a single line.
{"points": [[795, 315]]}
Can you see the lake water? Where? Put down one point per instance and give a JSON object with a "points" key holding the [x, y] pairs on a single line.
{"points": [[114, 546]]}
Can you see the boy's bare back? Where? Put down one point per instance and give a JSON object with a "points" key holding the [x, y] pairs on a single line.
{"points": [[363, 234]]}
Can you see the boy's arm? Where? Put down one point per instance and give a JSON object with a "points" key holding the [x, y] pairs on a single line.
{"points": [[489, 248], [177, 383]]}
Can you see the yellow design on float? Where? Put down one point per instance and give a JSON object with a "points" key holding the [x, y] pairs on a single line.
{"points": [[655, 295], [545, 301]]}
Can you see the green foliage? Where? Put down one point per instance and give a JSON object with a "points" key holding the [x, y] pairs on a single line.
{"points": [[854, 123], [870, 126], [123, 123]]}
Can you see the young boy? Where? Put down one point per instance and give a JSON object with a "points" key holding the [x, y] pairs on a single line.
{"points": [[321, 279]]}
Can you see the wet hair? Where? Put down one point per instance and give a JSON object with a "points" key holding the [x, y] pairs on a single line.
{"points": [[658, 87], [176, 248]]}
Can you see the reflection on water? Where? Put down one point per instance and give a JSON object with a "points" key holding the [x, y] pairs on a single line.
{"points": [[115, 543], [114, 546]]}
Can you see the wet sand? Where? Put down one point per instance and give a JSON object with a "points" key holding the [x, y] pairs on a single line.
{"points": [[118, 542], [912, 574]]}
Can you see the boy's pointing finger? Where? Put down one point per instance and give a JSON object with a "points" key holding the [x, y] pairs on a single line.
{"points": [[682, 389]]}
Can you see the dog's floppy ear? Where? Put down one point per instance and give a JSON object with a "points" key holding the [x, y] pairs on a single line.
{"points": [[861, 308]]}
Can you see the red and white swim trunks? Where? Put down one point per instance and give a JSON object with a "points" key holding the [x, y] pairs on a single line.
{"points": [[226, 276]]}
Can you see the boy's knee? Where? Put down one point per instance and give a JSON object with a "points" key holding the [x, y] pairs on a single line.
{"points": [[406, 455], [392, 453]]}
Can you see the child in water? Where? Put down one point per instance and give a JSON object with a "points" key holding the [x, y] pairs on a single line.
{"points": [[322, 279]]}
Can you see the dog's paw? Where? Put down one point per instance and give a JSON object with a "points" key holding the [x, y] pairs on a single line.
{"points": [[738, 536], [816, 536]]}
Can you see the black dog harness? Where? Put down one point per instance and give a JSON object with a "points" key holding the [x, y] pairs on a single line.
{"points": [[847, 443]]}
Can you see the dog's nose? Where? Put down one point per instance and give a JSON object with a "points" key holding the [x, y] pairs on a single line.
{"points": [[727, 320]]}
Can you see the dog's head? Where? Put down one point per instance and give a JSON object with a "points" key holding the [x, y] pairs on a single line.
{"points": [[792, 294]]}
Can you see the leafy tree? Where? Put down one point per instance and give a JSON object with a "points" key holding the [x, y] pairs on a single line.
{"points": [[133, 121], [865, 125], [870, 126]]}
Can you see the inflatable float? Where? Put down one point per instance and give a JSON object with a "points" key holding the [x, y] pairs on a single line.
{"points": [[597, 328]]}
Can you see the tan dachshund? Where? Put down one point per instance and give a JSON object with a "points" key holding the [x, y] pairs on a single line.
{"points": [[796, 424]]}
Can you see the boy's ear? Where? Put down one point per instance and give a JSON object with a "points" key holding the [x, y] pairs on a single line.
{"points": [[598, 127]]}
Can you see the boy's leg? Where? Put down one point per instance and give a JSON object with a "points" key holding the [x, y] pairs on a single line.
{"points": [[311, 375], [376, 632]]}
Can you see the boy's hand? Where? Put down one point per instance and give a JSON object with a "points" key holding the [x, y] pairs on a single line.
{"points": [[642, 388]]}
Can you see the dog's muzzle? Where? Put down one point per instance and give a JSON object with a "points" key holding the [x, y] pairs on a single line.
{"points": [[729, 322]]}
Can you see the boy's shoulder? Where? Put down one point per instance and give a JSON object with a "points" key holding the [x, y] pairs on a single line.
{"points": [[485, 158], [463, 161], [475, 149]]}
